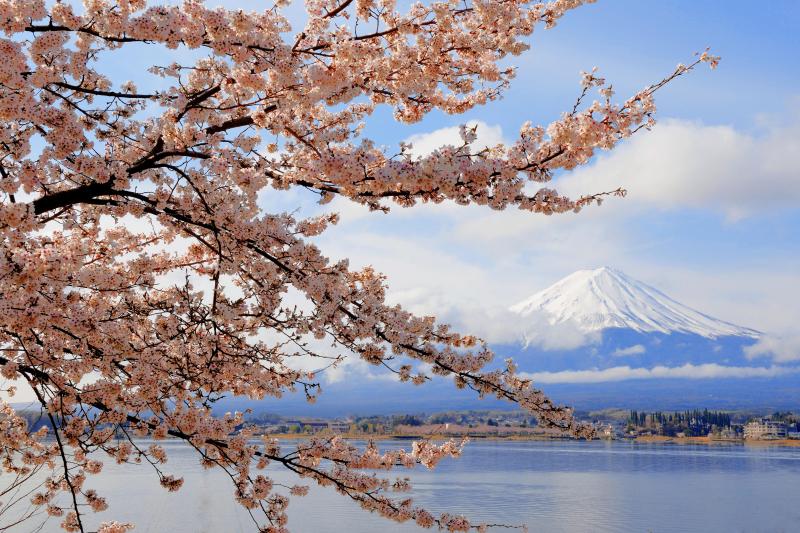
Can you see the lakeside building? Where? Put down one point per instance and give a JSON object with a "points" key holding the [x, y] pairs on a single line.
{"points": [[607, 431], [339, 427], [764, 429], [315, 426], [307, 426]]}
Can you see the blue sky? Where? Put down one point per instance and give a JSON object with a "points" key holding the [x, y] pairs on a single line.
{"points": [[636, 42], [711, 217]]}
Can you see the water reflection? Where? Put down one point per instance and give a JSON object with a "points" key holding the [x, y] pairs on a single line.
{"points": [[551, 486]]}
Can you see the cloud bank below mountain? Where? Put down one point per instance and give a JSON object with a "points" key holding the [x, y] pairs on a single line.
{"points": [[687, 371]]}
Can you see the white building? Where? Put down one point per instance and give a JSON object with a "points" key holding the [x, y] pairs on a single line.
{"points": [[764, 428]]}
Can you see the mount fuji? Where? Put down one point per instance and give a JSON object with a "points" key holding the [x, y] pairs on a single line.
{"points": [[595, 300], [602, 319], [634, 345]]}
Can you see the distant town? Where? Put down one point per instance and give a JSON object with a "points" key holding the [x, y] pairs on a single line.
{"points": [[717, 426], [613, 424]]}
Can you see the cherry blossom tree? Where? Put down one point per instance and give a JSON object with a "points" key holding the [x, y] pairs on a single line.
{"points": [[141, 280]]}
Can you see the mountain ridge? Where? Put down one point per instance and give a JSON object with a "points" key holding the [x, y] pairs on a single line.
{"points": [[604, 298]]}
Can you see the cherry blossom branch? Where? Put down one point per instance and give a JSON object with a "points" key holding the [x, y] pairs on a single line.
{"points": [[92, 316]]}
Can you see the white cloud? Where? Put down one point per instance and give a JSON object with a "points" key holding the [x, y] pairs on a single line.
{"points": [[539, 332], [356, 369], [23, 392], [687, 371], [782, 348], [425, 143], [636, 349], [429, 279], [687, 164]]}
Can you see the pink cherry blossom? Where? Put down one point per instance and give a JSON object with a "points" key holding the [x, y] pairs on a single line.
{"points": [[140, 280]]}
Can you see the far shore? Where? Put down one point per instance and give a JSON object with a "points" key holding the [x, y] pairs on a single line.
{"points": [[649, 439], [405, 436]]}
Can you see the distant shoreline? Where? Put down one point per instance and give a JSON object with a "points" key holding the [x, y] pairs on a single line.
{"points": [[651, 439], [403, 436]]}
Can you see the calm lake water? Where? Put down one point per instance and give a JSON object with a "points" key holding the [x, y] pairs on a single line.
{"points": [[550, 486]]}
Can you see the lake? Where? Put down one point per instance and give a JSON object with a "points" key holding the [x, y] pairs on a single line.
{"points": [[550, 486]]}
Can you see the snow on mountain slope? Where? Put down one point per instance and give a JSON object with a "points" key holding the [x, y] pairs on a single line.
{"points": [[594, 300]]}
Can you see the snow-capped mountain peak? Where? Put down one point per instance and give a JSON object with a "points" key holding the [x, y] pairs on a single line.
{"points": [[594, 300]]}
